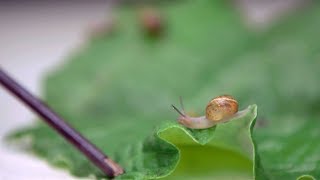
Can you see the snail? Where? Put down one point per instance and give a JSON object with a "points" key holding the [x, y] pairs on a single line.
{"points": [[151, 21], [219, 109]]}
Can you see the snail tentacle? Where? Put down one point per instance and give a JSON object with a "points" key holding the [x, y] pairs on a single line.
{"points": [[175, 108], [182, 106]]}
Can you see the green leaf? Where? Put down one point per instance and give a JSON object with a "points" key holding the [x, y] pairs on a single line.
{"points": [[116, 99], [287, 139], [118, 89], [223, 151]]}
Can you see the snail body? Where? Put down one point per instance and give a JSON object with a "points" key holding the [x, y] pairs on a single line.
{"points": [[219, 109]]}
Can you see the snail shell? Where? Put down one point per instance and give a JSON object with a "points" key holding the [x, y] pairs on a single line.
{"points": [[221, 107]]}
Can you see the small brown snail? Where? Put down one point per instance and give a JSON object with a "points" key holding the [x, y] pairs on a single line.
{"points": [[151, 21], [219, 109]]}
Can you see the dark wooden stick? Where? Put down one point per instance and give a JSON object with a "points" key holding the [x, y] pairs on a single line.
{"points": [[109, 167]]}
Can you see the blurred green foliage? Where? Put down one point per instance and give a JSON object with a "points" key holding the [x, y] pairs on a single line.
{"points": [[118, 88]]}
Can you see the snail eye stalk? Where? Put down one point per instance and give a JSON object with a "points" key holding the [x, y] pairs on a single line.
{"points": [[175, 108], [182, 106]]}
